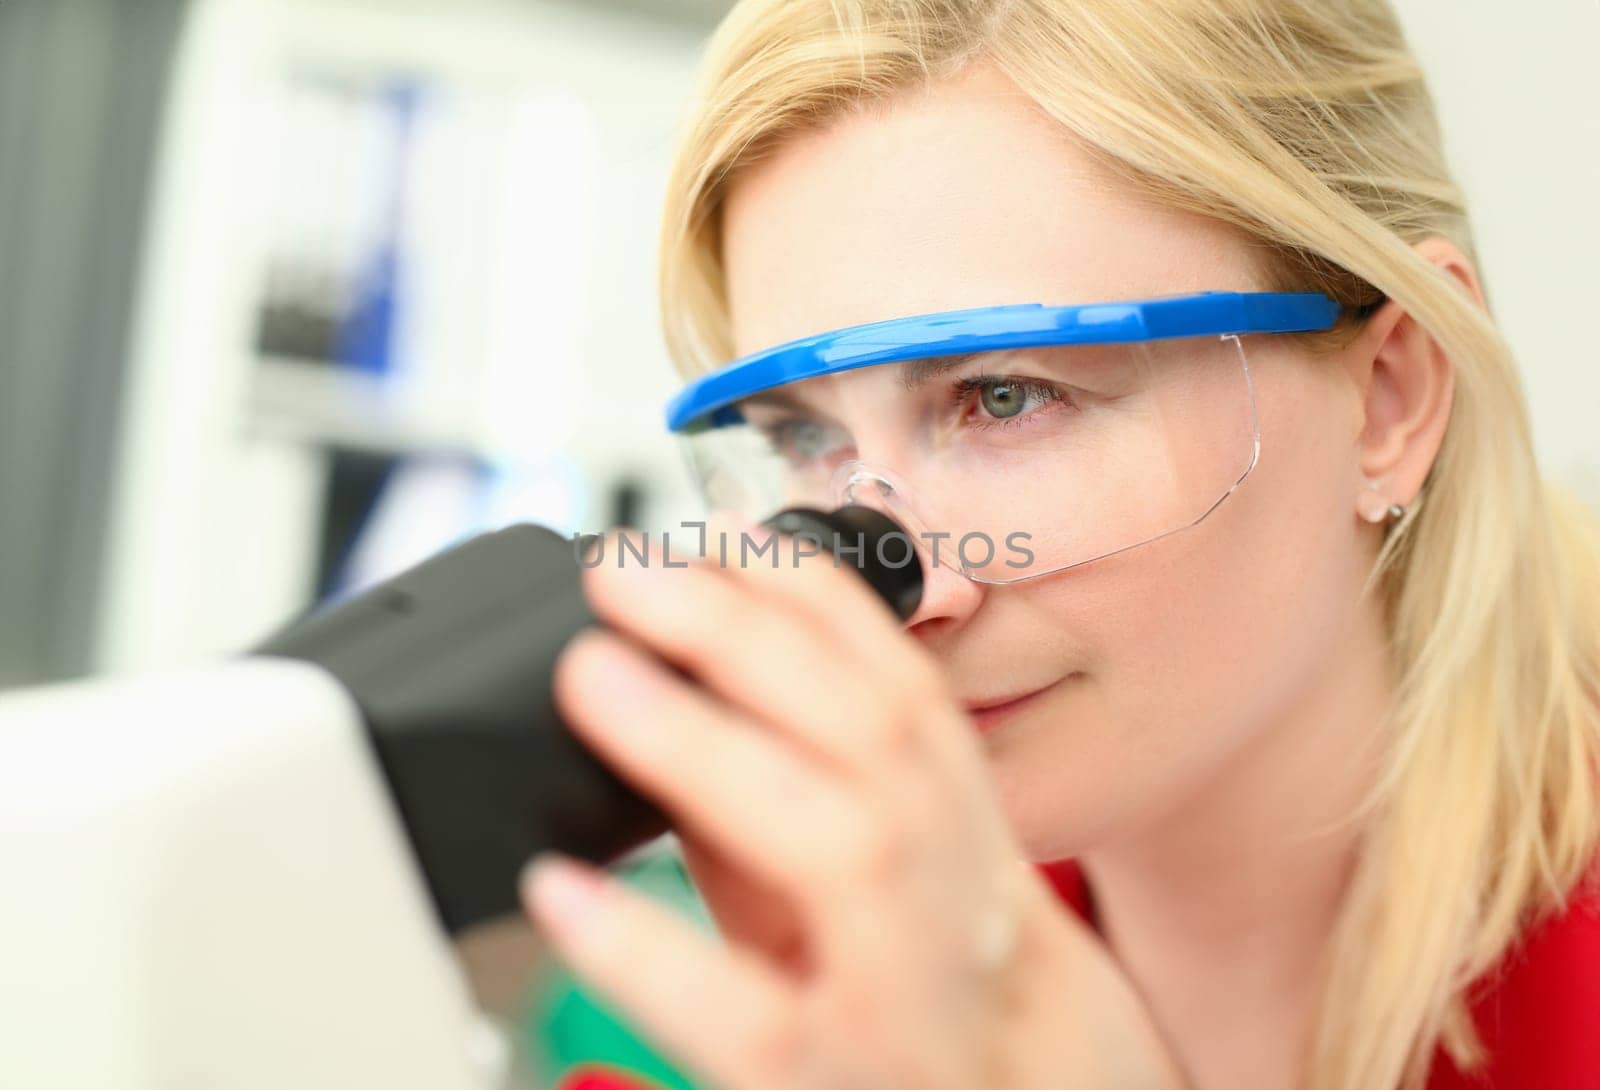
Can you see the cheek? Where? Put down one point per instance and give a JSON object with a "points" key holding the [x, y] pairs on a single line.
{"points": [[1200, 642]]}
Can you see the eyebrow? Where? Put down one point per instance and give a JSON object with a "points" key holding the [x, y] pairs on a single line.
{"points": [[777, 397], [913, 373]]}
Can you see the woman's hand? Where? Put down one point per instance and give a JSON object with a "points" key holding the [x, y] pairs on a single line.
{"points": [[836, 812]]}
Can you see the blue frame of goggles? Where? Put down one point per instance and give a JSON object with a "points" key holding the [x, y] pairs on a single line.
{"points": [[711, 400]]}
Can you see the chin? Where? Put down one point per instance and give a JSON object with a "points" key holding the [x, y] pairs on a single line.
{"points": [[1061, 788]]}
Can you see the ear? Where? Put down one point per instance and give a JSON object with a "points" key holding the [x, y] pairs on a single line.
{"points": [[1405, 384]]}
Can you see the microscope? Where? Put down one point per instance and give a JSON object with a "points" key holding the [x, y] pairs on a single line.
{"points": [[248, 874]]}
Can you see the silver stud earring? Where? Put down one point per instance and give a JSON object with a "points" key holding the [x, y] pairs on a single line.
{"points": [[1375, 508]]}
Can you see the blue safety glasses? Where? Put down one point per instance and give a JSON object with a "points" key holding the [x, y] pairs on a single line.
{"points": [[1014, 441], [704, 402]]}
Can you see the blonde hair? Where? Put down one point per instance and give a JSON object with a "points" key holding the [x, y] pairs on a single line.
{"points": [[1307, 124]]}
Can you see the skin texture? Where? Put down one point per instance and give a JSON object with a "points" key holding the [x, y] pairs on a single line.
{"points": [[1212, 716]]}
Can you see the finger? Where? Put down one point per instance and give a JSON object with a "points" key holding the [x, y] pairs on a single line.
{"points": [[855, 866], [742, 789], [762, 656], [748, 913], [813, 582], [713, 1007], [841, 604]]}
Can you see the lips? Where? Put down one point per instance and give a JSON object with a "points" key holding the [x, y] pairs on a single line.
{"points": [[987, 714]]}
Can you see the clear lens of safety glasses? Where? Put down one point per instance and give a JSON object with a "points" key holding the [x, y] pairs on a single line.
{"points": [[1006, 464]]}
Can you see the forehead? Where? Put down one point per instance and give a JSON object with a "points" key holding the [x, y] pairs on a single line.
{"points": [[961, 194]]}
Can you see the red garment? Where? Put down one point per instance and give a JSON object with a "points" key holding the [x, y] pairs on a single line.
{"points": [[1538, 1012]]}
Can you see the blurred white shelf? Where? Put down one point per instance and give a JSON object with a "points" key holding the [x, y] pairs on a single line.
{"points": [[560, 117], [319, 404]]}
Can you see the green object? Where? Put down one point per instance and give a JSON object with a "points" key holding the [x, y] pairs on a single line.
{"points": [[569, 1026]]}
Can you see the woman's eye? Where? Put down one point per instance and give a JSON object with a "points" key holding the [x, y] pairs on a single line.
{"points": [[800, 440], [1003, 399]]}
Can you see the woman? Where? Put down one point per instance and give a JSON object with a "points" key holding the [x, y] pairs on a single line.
{"points": [[1318, 768]]}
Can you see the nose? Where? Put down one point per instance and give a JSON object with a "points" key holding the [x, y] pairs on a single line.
{"points": [[948, 597]]}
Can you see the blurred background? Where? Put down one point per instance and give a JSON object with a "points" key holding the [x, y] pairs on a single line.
{"points": [[296, 292]]}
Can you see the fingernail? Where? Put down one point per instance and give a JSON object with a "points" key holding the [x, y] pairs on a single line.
{"points": [[565, 896]]}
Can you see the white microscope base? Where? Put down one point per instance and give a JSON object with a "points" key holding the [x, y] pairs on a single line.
{"points": [[203, 885]]}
